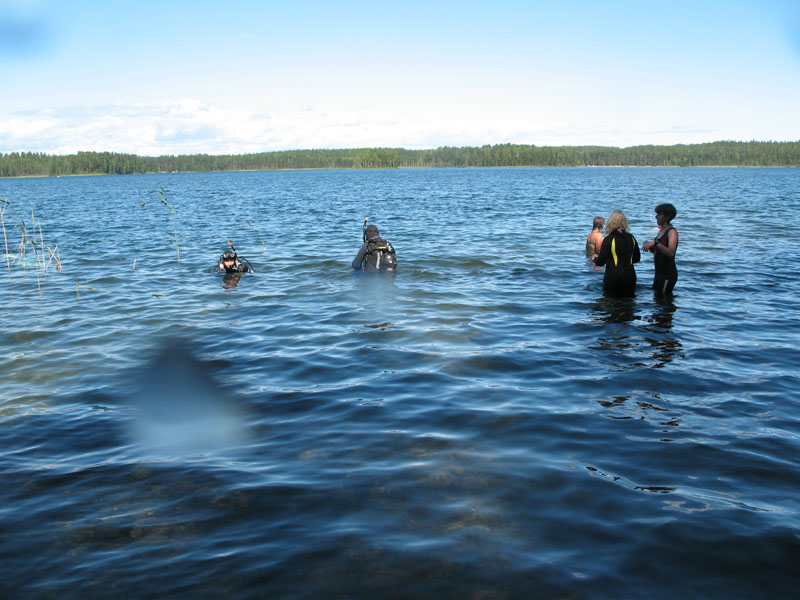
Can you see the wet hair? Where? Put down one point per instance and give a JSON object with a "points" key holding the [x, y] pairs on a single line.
{"points": [[598, 222], [617, 220], [667, 210], [228, 255], [374, 228]]}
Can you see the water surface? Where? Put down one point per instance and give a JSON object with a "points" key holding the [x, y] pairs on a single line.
{"points": [[486, 425]]}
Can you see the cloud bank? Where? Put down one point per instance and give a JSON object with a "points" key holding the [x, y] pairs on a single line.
{"points": [[194, 127]]}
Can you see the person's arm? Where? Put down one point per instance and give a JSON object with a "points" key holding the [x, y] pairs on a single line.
{"points": [[356, 264], [671, 246], [637, 256]]}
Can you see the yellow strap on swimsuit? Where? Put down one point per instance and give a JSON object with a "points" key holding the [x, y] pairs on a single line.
{"points": [[614, 251]]}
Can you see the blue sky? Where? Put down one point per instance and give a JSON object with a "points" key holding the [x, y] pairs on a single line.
{"points": [[239, 76]]}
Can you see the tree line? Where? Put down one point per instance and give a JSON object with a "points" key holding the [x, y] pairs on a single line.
{"points": [[718, 154]]}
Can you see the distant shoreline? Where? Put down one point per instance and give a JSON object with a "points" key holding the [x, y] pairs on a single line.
{"points": [[712, 154], [403, 169]]}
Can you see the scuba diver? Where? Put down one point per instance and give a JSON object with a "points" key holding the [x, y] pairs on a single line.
{"points": [[230, 262], [376, 254]]}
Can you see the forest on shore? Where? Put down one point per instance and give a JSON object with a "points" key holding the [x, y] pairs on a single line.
{"points": [[714, 154]]}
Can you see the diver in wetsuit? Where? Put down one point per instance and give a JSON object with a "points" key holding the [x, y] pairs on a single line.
{"points": [[618, 253], [229, 262], [663, 248], [376, 254]]}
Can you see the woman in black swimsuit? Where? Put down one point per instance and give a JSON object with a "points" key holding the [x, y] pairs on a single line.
{"points": [[663, 248]]}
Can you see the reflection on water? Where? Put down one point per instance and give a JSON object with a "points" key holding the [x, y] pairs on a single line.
{"points": [[624, 332], [615, 402], [620, 339], [666, 346], [629, 328], [231, 280], [614, 310]]}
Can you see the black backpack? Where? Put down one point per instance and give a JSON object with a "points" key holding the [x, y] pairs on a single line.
{"points": [[380, 257]]}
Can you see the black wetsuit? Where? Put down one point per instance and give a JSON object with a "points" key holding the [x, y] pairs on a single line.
{"points": [[238, 267], [666, 275], [376, 255], [618, 252]]}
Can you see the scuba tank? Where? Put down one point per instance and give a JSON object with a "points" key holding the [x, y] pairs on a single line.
{"points": [[380, 256]]}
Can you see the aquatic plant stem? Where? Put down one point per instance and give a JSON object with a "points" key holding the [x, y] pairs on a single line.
{"points": [[78, 287], [5, 239], [21, 250], [32, 242], [54, 255], [40, 252], [41, 245], [258, 235]]}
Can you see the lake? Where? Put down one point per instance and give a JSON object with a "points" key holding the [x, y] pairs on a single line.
{"points": [[486, 425]]}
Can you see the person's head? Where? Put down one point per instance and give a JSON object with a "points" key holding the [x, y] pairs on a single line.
{"points": [[667, 210], [228, 258], [617, 220], [598, 223], [372, 231]]}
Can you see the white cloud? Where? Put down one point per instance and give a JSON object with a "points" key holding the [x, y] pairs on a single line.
{"points": [[168, 127], [190, 126]]}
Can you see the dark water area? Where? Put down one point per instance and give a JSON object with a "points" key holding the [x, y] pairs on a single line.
{"points": [[486, 425]]}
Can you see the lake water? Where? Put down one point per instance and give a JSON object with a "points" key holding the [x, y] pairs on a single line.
{"points": [[486, 426]]}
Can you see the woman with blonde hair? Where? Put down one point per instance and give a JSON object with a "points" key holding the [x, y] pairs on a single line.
{"points": [[618, 253]]}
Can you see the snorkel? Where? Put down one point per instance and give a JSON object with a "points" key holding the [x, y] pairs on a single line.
{"points": [[357, 268], [230, 243]]}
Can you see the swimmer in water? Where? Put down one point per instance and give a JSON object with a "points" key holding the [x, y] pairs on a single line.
{"points": [[595, 240]]}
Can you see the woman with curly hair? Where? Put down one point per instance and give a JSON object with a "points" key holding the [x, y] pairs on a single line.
{"points": [[618, 253]]}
